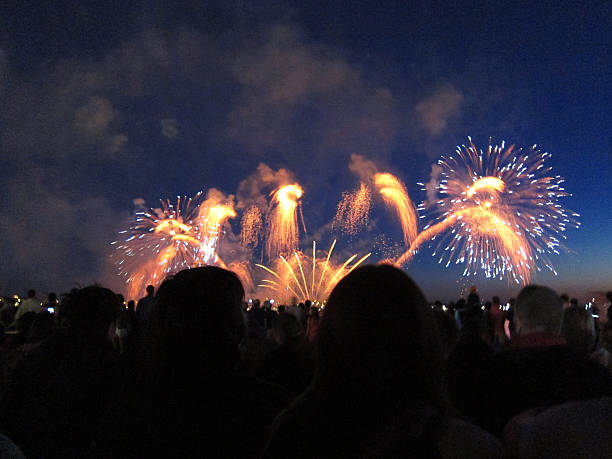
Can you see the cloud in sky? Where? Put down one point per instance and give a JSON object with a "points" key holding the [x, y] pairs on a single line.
{"points": [[435, 110], [170, 127], [46, 228], [94, 117], [286, 81]]}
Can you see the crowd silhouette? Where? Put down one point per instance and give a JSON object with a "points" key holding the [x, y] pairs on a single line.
{"points": [[193, 370]]}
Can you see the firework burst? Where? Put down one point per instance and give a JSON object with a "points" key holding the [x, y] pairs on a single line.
{"points": [[305, 277], [161, 241], [501, 210]]}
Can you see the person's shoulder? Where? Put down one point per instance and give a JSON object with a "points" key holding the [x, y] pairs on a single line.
{"points": [[574, 429], [460, 439]]}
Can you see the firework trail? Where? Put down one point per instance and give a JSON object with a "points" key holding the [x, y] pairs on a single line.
{"points": [[169, 234], [283, 232], [353, 212], [306, 278], [502, 208], [395, 195]]}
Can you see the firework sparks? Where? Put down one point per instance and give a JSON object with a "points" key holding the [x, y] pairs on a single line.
{"points": [[251, 227], [503, 211], [161, 241], [283, 233], [299, 275], [395, 195], [353, 213]]}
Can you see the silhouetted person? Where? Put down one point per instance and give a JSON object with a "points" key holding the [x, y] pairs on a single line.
{"points": [[378, 389], [145, 305], [449, 333], [195, 402], [63, 398], [540, 370], [312, 325], [52, 303], [496, 318], [290, 363], [30, 304]]}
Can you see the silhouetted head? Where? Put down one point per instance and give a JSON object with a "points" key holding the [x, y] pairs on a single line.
{"points": [[287, 329], [131, 304], [495, 301], [150, 290], [538, 309], [198, 314], [31, 293], [378, 337], [51, 298], [89, 310]]}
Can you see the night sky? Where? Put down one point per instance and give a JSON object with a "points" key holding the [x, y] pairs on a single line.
{"points": [[103, 103]]}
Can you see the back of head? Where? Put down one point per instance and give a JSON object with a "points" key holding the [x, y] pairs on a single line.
{"points": [[89, 310], [198, 315], [31, 293], [578, 328], [378, 336], [150, 290], [538, 310], [287, 330]]}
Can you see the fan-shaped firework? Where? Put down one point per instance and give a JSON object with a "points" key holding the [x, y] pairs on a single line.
{"points": [[501, 207], [305, 278]]}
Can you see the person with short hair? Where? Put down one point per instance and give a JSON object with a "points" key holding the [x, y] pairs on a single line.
{"points": [[30, 304], [539, 370], [538, 316]]}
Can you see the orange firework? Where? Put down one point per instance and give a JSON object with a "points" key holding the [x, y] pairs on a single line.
{"points": [[305, 278], [502, 209], [395, 195], [210, 221], [283, 233], [495, 238], [242, 270], [160, 242], [251, 227], [353, 211]]}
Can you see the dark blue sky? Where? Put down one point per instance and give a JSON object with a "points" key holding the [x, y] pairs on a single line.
{"points": [[103, 103]]}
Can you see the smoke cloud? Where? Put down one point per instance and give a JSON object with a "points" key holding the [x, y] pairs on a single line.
{"points": [[362, 167], [435, 111], [254, 190]]}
